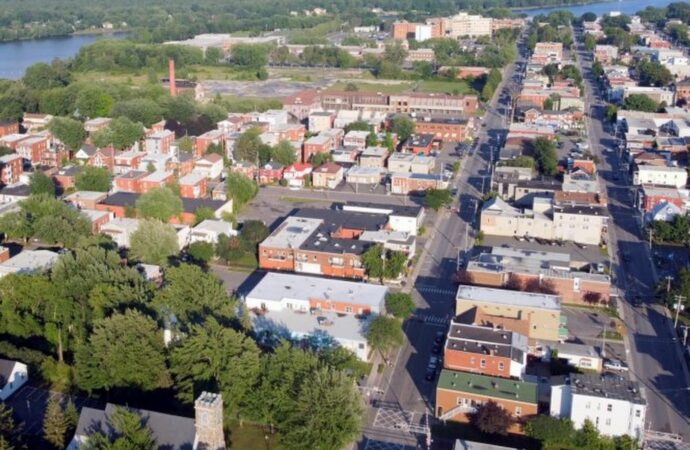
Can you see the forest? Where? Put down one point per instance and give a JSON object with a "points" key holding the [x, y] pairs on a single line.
{"points": [[158, 20]]}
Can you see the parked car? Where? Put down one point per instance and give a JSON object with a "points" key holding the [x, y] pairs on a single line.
{"points": [[436, 348], [430, 374], [615, 364], [440, 336]]}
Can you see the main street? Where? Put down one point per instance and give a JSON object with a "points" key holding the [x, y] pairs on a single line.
{"points": [[653, 354], [406, 396]]}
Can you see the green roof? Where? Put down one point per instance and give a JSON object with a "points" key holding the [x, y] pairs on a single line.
{"points": [[495, 387]]}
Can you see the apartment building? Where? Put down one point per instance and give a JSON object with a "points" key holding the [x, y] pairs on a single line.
{"points": [[660, 175], [458, 394], [615, 406], [649, 196], [193, 185], [551, 49], [423, 104], [541, 312], [8, 127], [159, 142], [11, 168], [447, 130], [404, 183], [485, 350], [605, 54], [534, 270], [329, 175], [468, 25], [297, 307]]}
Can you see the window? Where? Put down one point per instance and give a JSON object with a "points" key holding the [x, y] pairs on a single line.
{"points": [[608, 421], [500, 366], [460, 400], [482, 363], [361, 346], [518, 411], [348, 309], [588, 405], [638, 413], [609, 407], [472, 361]]}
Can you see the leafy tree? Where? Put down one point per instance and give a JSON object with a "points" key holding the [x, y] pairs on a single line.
{"points": [[400, 305], [545, 156], [71, 132], [139, 110], [240, 189], [130, 432], [587, 436], [48, 219], [551, 431], [437, 198], [94, 102], [254, 231], [590, 42], [588, 17], [40, 183], [395, 265], [42, 76], [96, 179], [250, 56], [319, 159], [491, 418], [181, 108], [216, 358], [358, 125], [284, 153], [201, 251], [10, 432], [247, 145], [611, 113], [395, 53], [124, 350], [328, 413], [213, 111], [55, 424], [121, 133], [520, 161], [154, 242], [640, 102], [372, 139], [654, 74], [185, 144], [372, 260], [159, 203], [384, 334], [202, 214], [403, 126], [191, 295]]}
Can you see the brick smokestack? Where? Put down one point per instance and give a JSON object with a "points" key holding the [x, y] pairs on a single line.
{"points": [[171, 77]]}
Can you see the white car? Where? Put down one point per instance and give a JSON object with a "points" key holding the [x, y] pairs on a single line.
{"points": [[615, 364]]}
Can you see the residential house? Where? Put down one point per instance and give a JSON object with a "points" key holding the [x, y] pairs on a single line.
{"points": [[93, 125], [154, 180], [210, 230], [32, 148], [271, 172], [11, 168], [210, 166], [204, 141], [127, 161], [8, 127], [320, 121], [374, 157], [302, 103], [329, 175], [356, 138], [364, 175], [317, 144], [580, 356], [662, 176], [296, 174], [13, 375], [120, 230], [193, 185], [446, 130], [605, 54], [29, 262], [159, 142], [649, 196], [85, 199], [247, 169], [36, 121], [404, 183], [129, 181], [65, 178], [97, 218], [419, 143], [615, 406]]}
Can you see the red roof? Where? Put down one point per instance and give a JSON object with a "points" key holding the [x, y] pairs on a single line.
{"points": [[298, 167], [329, 167], [213, 157]]}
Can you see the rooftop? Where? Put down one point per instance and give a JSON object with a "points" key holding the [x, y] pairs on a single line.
{"points": [[377, 208], [29, 261], [569, 348], [278, 286], [508, 297], [613, 388], [420, 140], [486, 341], [486, 386], [218, 226]]}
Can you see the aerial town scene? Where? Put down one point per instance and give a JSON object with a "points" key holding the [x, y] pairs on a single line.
{"points": [[344, 225]]}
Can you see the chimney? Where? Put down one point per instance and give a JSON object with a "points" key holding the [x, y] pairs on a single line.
{"points": [[208, 421], [171, 77]]}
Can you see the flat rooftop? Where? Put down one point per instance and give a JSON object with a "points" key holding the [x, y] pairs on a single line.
{"points": [[613, 388], [292, 233], [508, 297], [492, 387], [29, 261], [278, 286]]}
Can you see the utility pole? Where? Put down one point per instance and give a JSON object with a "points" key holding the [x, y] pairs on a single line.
{"points": [[651, 233], [669, 278], [679, 304], [603, 342]]}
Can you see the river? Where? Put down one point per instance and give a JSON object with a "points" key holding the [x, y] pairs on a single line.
{"points": [[16, 56], [628, 7]]}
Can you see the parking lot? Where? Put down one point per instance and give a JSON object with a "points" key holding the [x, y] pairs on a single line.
{"points": [[585, 326]]}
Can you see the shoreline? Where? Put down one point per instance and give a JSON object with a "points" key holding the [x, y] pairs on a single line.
{"points": [[560, 6], [73, 34]]}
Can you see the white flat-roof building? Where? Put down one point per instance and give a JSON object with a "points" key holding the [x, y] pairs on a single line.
{"points": [[210, 230], [615, 406], [578, 355], [121, 230], [29, 262]]}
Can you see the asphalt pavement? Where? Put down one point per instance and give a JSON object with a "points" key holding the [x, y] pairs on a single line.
{"points": [[653, 353]]}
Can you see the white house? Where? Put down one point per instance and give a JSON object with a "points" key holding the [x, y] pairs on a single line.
{"points": [[121, 230], [211, 166], [13, 375], [614, 406], [296, 173], [660, 175], [210, 230], [578, 355]]}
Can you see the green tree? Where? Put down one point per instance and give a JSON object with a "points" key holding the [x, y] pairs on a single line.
{"points": [[42, 76], [185, 144], [437, 198], [395, 265], [395, 53], [181, 108], [216, 358], [640, 102], [491, 418], [203, 213], [284, 153], [403, 126], [373, 263], [96, 179], [55, 424], [520, 161], [71, 132], [130, 433], [93, 101], [254, 232], [240, 189], [590, 42], [121, 133], [551, 431], [154, 242], [328, 413], [191, 296], [654, 74], [159, 203], [359, 125], [124, 350], [142, 110], [544, 151], [587, 436], [250, 56], [201, 251], [384, 334], [40, 183], [247, 145], [10, 431], [372, 139], [611, 113], [319, 159], [400, 304]]}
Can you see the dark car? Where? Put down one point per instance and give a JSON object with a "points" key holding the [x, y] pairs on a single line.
{"points": [[430, 375], [436, 348], [440, 336]]}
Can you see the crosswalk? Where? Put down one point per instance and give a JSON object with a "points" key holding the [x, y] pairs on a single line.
{"points": [[434, 320], [435, 290]]}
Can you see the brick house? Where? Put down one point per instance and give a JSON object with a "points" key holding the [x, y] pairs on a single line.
{"points": [[35, 121], [649, 196], [97, 218], [485, 350], [329, 175], [404, 183], [302, 103], [127, 161], [271, 172], [159, 142], [8, 127], [247, 169], [458, 394], [316, 144], [446, 130], [65, 178], [193, 185], [33, 148], [129, 181], [203, 141], [320, 121], [154, 180], [182, 163], [85, 199], [11, 168]]}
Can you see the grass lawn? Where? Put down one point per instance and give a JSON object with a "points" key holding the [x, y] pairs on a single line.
{"points": [[611, 335], [132, 78], [459, 87], [222, 72], [247, 261], [373, 86], [252, 437]]}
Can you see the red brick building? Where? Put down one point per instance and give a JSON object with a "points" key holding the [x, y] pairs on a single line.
{"points": [[247, 169], [202, 142], [271, 172], [301, 103], [127, 161], [8, 127], [649, 196], [154, 180], [129, 181], [447, 130], [32, 148], [11, 168], [193, 185], [404, 183], [419, 143], [316, 144], [65, 178]]}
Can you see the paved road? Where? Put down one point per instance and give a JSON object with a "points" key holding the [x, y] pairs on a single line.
{"points": [[654, 355], [407, 395]]}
